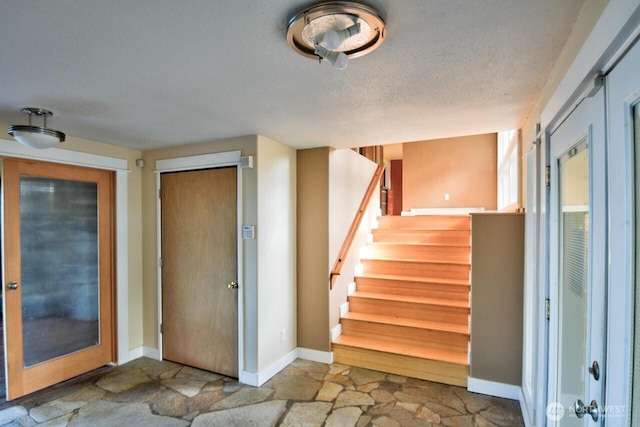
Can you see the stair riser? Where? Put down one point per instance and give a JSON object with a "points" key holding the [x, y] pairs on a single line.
{"points": [[430, 370], [454, 254], [425, 222], [416, 269], [409, 335], [447, 238], [409, 310], [422, 290]]}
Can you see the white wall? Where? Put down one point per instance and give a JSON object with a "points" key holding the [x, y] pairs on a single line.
{"points": [[276, 252], [349, 176]]}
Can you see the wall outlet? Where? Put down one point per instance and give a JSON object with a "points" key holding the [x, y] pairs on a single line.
{"points": [[283, 335], [446, 196]]}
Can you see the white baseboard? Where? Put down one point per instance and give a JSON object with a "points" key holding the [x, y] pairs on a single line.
{"points": [[137, 353], [344, 308], [336, 332], [151, 353], [491, 388], [257, 379], [315, 355], [524, 410], [351, 288]]}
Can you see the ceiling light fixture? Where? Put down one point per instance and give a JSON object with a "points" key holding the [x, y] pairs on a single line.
{"points": [[336, 31], [36, 136]]}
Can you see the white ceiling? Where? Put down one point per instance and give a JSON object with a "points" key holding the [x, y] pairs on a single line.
{"points": [[153, 73]]}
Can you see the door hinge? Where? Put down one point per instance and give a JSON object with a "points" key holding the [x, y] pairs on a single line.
{"points": [[161, 328], [159, 262], [547, 176], [160, 193], [547, 308]]}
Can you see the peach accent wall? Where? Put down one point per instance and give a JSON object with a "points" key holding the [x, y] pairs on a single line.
{"points": [[463, 167]]}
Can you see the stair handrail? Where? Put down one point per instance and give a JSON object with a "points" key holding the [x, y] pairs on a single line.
{"points": [[357, 220]]}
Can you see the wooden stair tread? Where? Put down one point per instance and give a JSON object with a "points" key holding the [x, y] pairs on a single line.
{"points": [[430, 245], [414, 350], [411, 323], [416, 260], [401, 278], [411, 299]]}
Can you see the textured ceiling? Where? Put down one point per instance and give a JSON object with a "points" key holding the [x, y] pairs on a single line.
{"points": [[153, 73]]}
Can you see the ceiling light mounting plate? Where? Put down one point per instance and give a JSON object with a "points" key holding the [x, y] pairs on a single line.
{"points": [[306, 26]]}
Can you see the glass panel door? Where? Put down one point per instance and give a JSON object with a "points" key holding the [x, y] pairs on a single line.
{"points": [[574, 277], [58, 259], [59, 254], [578, 267]]}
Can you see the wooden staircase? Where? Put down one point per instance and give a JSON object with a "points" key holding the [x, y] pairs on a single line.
{"points": [[410, 312]]}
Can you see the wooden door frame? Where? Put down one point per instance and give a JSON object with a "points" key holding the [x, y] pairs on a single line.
{"points": [[193, 163], [9, 148]]}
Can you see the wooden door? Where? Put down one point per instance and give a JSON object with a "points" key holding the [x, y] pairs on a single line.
{"points": [[58, 225], [199, 261]]}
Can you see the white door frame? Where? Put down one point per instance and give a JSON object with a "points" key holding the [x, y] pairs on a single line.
{"points": [[197, 162], [10, 148]]}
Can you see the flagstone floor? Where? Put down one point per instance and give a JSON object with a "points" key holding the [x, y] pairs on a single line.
{"points": [[147, 392]]}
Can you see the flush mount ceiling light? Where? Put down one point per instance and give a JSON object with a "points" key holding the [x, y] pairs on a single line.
{"points": [[36, 136], [336, 31]]}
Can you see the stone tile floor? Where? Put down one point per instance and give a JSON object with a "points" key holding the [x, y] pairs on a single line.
{"points": [[147, 392]]}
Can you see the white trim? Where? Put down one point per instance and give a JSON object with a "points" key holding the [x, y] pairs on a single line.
{"points": [[57, 155], [257, 379], [202, 161], [524, 410], [206, 161], [10, 148], [336, 332], [444, 211], [315, 355], [122, 266], [492, 388], [150, 352], [344, 308], [351, 288]]}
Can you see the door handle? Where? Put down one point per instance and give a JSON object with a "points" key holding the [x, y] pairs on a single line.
{"points": [[12, 285], [580, 409], [232, 285], [595, 370]]}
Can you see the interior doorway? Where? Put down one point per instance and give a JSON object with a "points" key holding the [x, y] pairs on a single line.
{"points": [[199, 269], [59, 272]]}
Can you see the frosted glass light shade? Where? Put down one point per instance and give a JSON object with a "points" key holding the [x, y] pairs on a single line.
{"points": [[36, 139]]}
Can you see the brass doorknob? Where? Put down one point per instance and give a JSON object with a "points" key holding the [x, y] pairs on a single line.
{"points": [[233, 285]]}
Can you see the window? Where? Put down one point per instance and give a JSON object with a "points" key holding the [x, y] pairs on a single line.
{"points": [[508, 170]]}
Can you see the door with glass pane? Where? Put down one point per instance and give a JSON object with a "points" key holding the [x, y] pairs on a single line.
{"points": [[58, 227], [577, 267]]}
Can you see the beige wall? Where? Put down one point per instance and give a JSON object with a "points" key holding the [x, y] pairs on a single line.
{"points": [[134, 219], [464, 167], [497, 282], [313, 249], [276, 237]]}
